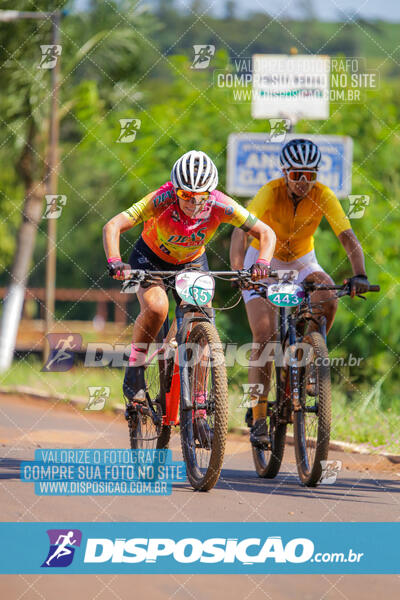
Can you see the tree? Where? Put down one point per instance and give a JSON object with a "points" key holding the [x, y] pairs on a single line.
{"points": [[26, 108]]}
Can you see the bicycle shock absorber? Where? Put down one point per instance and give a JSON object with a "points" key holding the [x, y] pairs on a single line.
{"points": [[293, 368]]}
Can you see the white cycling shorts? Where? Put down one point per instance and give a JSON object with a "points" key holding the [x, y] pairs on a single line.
{"points": [[305, 265]]}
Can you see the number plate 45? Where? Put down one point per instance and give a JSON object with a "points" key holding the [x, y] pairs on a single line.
{"points": [[285, 294]]}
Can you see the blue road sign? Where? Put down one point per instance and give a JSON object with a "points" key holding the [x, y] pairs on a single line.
{"points": [[253, 160]]}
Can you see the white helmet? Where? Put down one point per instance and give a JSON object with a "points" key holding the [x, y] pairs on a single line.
{"points": [[195, 172]]}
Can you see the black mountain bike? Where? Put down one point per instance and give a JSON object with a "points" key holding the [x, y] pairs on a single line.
{"points": [[300, 387]]}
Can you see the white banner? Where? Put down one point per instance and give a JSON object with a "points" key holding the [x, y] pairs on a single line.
{"points": [[290, 86]]}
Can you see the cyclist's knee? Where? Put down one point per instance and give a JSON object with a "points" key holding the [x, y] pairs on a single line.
{"points": [[156, 312], [154, 305]]}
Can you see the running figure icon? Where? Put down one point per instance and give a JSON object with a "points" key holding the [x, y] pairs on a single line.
{"points": [[62, 549], [62, 350], [63, 543]]}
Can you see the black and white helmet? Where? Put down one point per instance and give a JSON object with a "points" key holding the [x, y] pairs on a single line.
{"points": [[195, 172], [300, 154]]}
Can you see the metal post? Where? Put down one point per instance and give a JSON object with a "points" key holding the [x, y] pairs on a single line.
{"points": [[52, 179]]}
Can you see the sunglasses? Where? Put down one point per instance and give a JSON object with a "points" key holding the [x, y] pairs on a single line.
{"points": [[193, 197], [309, 176]]}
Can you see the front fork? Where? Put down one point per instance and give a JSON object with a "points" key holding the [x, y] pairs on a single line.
{"points": [[293, 367], [183, 326], [289, 399]]}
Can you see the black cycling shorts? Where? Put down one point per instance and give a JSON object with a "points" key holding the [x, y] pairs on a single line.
{"points": [[142, 257]]}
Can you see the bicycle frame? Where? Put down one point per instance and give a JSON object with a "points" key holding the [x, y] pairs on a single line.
{"points": [[288, 321], [178, 391]]}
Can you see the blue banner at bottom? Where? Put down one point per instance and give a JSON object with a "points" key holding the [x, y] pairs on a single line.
{"points": [[219, 548]]}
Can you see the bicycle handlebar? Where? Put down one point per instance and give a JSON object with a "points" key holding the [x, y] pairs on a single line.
{"points": [[141, 273], [311, 286], [242, 275]]}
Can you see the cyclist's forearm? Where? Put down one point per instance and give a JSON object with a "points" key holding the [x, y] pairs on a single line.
{"points": [[111, 234], [112, 231], [354, 251], [237, 249], [267, 239]]}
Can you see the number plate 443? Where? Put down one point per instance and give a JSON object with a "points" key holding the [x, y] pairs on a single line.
{"points": [[285, 294]]}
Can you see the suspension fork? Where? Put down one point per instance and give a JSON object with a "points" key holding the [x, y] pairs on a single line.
{"points": [[163, 366], [185, 398], [281, 370], [181, 337], [293, 367]]}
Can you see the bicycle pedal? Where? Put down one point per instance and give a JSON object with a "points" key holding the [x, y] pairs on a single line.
{"points": [[261, 446], [134, 407]]}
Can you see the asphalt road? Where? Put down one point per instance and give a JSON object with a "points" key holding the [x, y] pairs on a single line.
{"points": [[368, 489]]}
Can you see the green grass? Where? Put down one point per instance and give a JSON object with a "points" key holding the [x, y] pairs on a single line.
{"points": [[352, 421], [72, 383]]}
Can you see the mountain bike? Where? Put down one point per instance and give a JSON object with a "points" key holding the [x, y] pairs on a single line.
{"points": [[185, 378], [300, 387]]}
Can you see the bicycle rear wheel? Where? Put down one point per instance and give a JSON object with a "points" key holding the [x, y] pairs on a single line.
{"points": [[267, 462], [208, 387], [146, 430], [312, 423]]}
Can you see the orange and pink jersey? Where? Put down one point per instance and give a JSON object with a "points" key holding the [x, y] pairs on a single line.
{"points": [[177, 238]]}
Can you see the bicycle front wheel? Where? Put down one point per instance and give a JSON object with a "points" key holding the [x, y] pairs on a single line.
{"points": [[204, 428], [312, 423]]}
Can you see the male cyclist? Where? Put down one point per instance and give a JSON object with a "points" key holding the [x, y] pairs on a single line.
{"points": [[293, 206], [180, 218]]}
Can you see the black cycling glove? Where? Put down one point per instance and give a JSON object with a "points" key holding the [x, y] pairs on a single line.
{"points": [[358, 284], [116, 268]]}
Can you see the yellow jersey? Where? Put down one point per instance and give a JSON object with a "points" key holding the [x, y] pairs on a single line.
{"points": [[295, 226]]}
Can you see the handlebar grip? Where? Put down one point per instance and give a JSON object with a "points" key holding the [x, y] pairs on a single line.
{"points": [[374, 288]]}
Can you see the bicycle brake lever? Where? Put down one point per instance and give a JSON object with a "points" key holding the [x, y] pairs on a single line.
{"points": [[360, 296], [136, 275]]}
